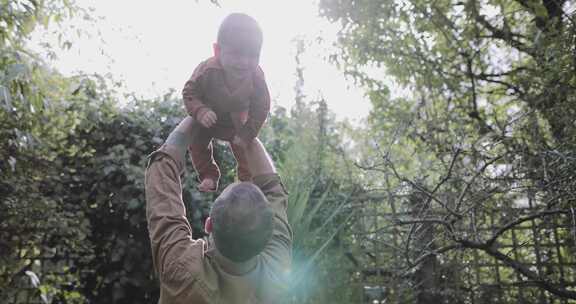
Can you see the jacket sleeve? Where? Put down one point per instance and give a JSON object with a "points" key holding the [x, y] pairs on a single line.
{"points": [[192, 93], [280, 244], [277, 254], [259, 108], [169, 230]]}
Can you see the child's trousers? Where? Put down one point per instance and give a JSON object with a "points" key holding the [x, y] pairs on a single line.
{"points": [[201, 153]]}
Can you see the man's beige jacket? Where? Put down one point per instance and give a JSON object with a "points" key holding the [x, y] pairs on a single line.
{"points": [[191, 271]]}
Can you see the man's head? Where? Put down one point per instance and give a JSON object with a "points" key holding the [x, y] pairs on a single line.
{"points": [[239, 43], [240, 222]]}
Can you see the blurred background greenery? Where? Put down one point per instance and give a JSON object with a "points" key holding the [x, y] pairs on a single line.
{"points": [[460, 191]]}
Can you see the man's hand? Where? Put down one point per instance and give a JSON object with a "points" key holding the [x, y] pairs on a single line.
{"points": [[207, 118]]}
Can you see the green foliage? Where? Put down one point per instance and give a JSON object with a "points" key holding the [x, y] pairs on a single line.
{"points": [[33, 131], [19, 18], [489, 106], [86, 208], [409, 204], [319, 205], [313, 233], [72, 188], [72, 219], [315, 167]]}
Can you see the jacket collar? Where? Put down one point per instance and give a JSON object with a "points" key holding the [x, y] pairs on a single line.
{"points": [[214, 63], [226, 264]]}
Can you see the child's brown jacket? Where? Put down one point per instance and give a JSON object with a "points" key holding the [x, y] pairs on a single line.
{"points": [[207, 89]]}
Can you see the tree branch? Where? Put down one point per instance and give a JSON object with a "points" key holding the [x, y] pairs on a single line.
{"points": [[506, 36], [539, 281], [521, 220]]}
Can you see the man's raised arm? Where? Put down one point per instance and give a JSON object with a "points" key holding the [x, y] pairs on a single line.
{"points": [[278, 251], [169, 230], [258, 160]]}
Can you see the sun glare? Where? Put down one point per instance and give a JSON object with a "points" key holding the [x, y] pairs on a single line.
{"points": [[153, 48]]}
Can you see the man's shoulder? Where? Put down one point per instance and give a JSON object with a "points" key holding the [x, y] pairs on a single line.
{"points": [[272, 187], [195, 270], [275, 276], [271, 182], [187, 261]]}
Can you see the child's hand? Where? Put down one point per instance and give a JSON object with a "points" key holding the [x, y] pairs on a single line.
{"points": [[208, 118]]}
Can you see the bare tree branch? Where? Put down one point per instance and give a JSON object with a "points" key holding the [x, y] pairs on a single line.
{"points": [[521, 220], [536, 278]]}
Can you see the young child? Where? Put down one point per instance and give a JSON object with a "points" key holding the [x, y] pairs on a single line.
{"points": [[228, 96]]}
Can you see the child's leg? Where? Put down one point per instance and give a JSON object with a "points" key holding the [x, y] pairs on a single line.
{"points": [[239, 119], [201, 153], [244, 174]]}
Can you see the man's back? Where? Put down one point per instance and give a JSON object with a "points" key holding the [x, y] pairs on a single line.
{"points": [[193, 271]]}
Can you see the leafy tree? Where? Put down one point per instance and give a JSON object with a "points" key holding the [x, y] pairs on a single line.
{"points": [[33, 130], [477, 149]]}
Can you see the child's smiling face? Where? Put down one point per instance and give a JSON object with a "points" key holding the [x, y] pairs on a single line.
{"points": [[237, 61], [238, 45]]}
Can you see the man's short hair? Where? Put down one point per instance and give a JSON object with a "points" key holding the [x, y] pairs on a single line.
{"points": [[241, 221], [240, 32]]}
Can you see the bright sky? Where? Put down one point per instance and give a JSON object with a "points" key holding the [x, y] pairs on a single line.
{"points": [[154, 45]]}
